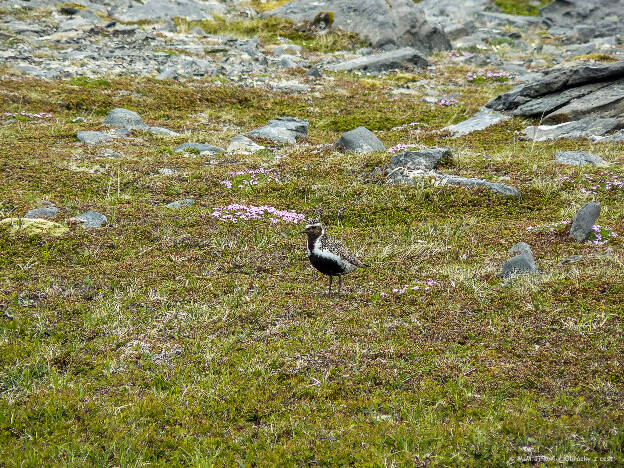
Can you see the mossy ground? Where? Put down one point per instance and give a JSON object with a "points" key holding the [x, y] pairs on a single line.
{"points": [[521, 7], [173, 338]]}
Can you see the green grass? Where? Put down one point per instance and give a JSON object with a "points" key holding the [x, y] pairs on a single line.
{"points": [[171, 338]]}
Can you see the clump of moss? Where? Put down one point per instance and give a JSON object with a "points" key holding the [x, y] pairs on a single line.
{"points": [[596, 58], [90, 83], [33, 227], [520, 7]]}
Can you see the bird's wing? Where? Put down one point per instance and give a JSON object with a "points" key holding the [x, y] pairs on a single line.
{"points": [[339, 249]]}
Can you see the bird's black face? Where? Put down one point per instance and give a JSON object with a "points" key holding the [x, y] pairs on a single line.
{"points": [[314, 230]]}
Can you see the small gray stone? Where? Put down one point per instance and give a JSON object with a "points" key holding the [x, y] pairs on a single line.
{"points": [[290, 87], [46, 212], [457, 31], [89, 219], [521, 264], [201, 147], [242, 144], [166, 171], [579, 158], [315, 72], [282, 130], [584, 221], [360, 140], [198, 31], [124, 118], [168, 73], [109, 153], [572, 259], [163, 131], [424, 160], [482, 120], [503, 189], [94, 138], [288, 61], [181, 203], [168, 26]]}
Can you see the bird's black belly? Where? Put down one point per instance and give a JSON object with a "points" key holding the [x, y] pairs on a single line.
{"points": [[325, 265]]}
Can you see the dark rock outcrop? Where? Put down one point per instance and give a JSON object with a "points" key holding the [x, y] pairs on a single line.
{"points": [[582, 101], [386, 24]]}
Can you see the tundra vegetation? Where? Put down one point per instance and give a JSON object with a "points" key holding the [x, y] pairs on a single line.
{"points": [[174, 336]]}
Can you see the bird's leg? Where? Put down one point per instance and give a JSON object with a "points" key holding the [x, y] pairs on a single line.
{"points": [[339, 285], [331, 278]]}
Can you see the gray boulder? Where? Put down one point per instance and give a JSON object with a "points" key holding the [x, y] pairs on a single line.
{"points": [[282, 130], [47, 211], [409, 166], [94, 138], [360, 140], [584, 221], [424, 160], [521, 264], [201, 147], [579, 158], [89, 219], [588, 127], [383, 23], [181, 203], [392, 60], [124, 118]]}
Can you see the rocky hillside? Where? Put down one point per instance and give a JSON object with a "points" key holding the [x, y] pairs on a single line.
{"points": [[159, 160]]}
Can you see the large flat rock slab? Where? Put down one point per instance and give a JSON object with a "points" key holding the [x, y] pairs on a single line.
{"points": [[551, 102], [393, 60], [605, 102], [584, 128], [555, 80], [484, 119]]}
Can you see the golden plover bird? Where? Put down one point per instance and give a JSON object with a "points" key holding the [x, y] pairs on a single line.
{"points": [[328, 255]]}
